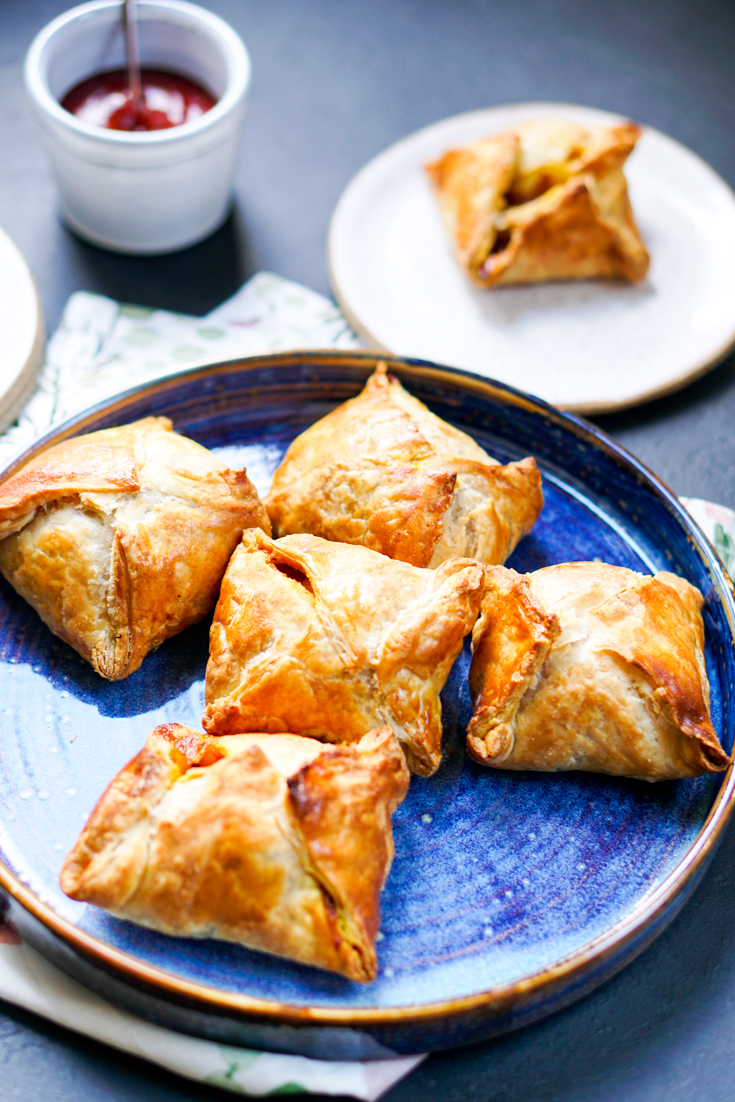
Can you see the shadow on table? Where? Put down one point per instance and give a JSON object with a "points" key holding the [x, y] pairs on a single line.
{"points": [[714, 386], [68, 1062], [191, 281]]}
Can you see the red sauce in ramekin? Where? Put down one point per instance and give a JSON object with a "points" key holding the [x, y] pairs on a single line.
{"points": [[167, 100]]}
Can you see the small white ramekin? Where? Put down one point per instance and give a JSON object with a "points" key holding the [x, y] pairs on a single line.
{"points": [[141, 192]]}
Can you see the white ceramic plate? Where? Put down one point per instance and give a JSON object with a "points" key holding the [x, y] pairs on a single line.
{"points": [[592, 346], [23, 337]]}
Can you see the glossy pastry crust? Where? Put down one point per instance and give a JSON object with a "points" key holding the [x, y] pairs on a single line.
{"points": [[331, 640], [594, 667], [547, 200], [119, 539], [385, 472], [277, 842]]}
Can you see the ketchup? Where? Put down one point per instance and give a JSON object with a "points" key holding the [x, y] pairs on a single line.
{"points": [[167, 99]]}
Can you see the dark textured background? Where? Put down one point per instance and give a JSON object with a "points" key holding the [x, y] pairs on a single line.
{"points": [[335, 81]]}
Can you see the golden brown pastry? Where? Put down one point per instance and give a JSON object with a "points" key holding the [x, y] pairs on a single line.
{"points": [[119, 539], [331, 640], [277, 842], [594, 667], [385, 472], [547, 200]]}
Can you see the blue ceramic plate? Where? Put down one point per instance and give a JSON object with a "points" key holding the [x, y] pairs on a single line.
{"points": [[510, 893]]}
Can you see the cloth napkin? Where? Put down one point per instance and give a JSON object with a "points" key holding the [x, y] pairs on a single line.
{"points": [[99, 347], [102, 347]]}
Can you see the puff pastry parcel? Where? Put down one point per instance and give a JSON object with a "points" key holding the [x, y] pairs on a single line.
{"points": [[277, 842], [547, 200], [331, 640], [120, 538], [595, 667], [385, 472]]}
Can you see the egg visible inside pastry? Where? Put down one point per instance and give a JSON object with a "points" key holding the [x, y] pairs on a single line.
{"points": [[546, 200]]}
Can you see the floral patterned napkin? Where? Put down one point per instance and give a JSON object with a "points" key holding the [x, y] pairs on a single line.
{"points": [[718, 524], [102, 347], [99, 345], [29, 980]]}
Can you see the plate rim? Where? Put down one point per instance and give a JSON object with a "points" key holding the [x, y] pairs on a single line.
{"points": [[700, 368], [14, 396], [660, 902]]}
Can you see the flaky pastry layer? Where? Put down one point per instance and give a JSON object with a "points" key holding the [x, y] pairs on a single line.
{"points": [[120, 538], [547, 200], [383, 471], [594, 667], [332, 640], [277, 842]]}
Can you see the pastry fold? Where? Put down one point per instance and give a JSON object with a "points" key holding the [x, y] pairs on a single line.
{"points": [[119, 539], [331, 640], [277, 842], [593, 667], [547, 200], [385, 472]]}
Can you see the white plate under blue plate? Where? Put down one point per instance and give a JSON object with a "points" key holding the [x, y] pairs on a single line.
{"points": [[590, 346]]}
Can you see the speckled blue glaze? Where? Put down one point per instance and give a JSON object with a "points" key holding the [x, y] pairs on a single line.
{"points": [[497, 876]]}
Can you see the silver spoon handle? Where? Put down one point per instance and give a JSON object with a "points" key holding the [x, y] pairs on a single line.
{"points": [[131, 50]]}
